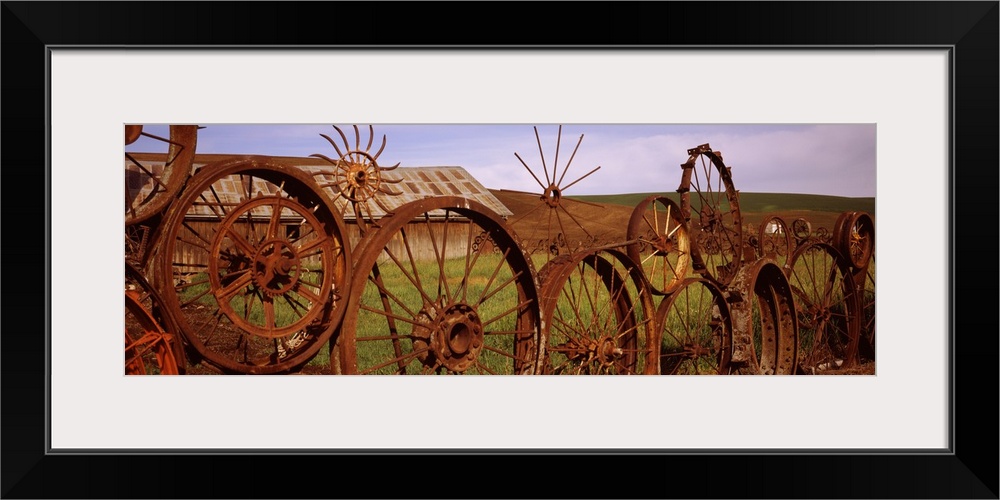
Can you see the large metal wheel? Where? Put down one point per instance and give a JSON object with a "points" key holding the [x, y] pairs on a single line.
{"points": [[441, 287], [662, 246], [253, 266], [597, 314], [154, 176], [827, 308], [696, 331], [150, 348], [710, 205], [765, 331]]}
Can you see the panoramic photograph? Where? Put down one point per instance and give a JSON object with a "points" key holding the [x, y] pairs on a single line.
{"points": [[500, 249]]}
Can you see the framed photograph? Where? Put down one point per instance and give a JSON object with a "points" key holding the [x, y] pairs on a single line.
{"points": [[924, 94]]}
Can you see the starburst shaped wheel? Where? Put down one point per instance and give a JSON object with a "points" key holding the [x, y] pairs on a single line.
{"points": [[357, 176]]}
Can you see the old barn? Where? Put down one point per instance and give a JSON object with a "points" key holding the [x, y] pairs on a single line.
{"points": [[415, 183]]}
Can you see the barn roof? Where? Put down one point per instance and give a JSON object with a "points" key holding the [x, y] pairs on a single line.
{"points": [[415, 183]]}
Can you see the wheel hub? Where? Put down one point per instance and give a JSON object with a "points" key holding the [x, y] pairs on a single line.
{"points": [[358, 175], [276, 267], [453, 337], [606, 351], [663, 246], [603, 350], [552, 195]]}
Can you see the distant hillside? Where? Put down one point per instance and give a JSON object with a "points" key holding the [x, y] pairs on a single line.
{"points": [[758, 202], [605, 217]]}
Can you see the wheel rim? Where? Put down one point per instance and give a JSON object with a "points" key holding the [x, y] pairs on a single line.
{"points": [[826, 305], [695, 330], [596, 316], [662, 245], [775, 240], [254, 266], [710, 205], [867, 300], [460, 299], [764, 327], [150, 345], [153, 178], [802, 230], [857, 239]]}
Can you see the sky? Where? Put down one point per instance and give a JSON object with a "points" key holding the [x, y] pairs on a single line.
{"points": [[827, 159]]}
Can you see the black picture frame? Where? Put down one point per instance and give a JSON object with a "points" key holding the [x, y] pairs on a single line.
{"points": [[968, 470]]}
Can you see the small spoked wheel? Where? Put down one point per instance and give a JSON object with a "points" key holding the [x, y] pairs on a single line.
{"points": [[801, 229], [854, 238], [441, 287], [696, 332], [775, 240], [596, 316], [662, 245], [254, 266]]}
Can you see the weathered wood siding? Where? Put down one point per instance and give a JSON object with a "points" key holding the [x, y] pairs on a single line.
{"points": [[192, 253]]}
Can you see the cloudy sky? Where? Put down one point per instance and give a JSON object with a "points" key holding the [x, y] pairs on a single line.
{"points": [[833, 159]]}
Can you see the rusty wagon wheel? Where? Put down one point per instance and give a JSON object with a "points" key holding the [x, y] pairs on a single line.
{"points": [[662, 245], [597, 314], [827, 308], [854, 237], [696, 331], [155, 176], [254, 266], [150, 348], [801, 229], [441, 287], [775, 240], [710, 205], [765, 330]]}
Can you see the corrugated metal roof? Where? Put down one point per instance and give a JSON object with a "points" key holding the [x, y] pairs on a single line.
{"points": [[415, 183]]}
